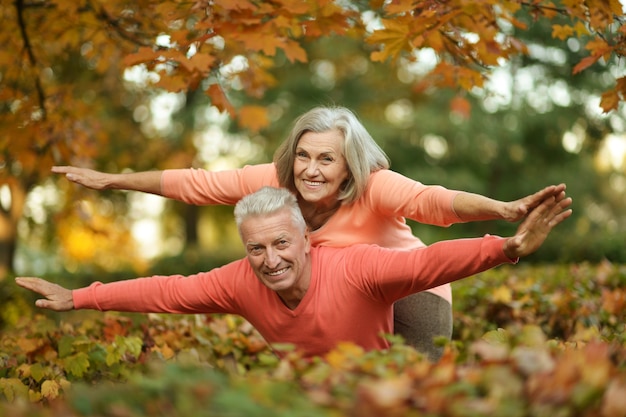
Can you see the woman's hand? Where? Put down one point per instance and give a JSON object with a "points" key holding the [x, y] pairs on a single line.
{"points": [[57, 297], [86, 177], [147, 181], [518, 209]]}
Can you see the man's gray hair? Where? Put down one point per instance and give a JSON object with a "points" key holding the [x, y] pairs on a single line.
{"points": [[269, 200]]}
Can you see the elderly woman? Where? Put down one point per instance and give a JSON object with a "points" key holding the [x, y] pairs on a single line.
{"points": [[347, 195]]}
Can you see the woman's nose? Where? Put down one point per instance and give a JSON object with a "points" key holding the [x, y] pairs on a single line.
{"points": [[312, 168]]}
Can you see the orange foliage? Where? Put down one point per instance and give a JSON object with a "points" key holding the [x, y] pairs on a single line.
{"points": [[50, 47]]}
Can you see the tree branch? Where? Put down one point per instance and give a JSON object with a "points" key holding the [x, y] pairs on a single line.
{"points": [[19, 6]]}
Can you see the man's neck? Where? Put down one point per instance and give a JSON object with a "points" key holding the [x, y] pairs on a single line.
{"points": [[291, 297]]}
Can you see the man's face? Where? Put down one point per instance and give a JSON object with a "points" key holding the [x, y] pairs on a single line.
{"points": [[278, 253]]}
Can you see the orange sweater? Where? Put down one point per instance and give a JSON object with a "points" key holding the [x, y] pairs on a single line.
{"points": [[378, 217], [350, 296]]}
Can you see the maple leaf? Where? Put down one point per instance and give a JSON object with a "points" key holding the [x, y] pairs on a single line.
{"points": [[294, 51], [50, 389], [562, 32], [585, 63], [253, 117], [174, 83], [143, 55], [609, 101], [77, 364], [202, 63], [219, 99], [394, 38]]}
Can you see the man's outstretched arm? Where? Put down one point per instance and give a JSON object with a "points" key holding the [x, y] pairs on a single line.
{"points": [[536, 227]]}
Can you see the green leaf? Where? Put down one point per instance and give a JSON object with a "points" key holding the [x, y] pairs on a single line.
{"points": [[37, 372], [13, 388], [77, 364], [499, 336], [66, 346]]}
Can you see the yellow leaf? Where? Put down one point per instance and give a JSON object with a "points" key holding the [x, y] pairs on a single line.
{"points": [[50, 389], [338, 357], [165, 350], [502, 294], [29, 345], [394, 38], [581, 29], [562, 32]]}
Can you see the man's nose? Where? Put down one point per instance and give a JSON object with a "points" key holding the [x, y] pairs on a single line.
{"points": [[272, 259]]}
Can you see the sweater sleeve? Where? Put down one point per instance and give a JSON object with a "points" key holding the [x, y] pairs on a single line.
{"points": [[206, 292], [392, 194], [390, 275], [203, 187]]}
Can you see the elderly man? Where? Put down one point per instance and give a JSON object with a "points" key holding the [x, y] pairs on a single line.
{"points": [[315, 297]]}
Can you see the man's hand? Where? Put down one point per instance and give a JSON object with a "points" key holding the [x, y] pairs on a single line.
{"points": [[518, 209], [57, 297], [534, 230], [83, 176]]}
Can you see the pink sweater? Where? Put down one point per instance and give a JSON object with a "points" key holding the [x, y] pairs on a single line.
{"points": [[350, 296], [378, 217]]}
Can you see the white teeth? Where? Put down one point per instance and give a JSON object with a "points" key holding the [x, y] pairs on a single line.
{"points": [[280, 271], [313, 182]]}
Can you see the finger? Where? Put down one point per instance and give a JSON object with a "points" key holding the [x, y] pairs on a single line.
{"points": [[51, 305], [27, 282], [534, 200], [60, 169], [561, 212], [542, 209], [560, 217], [43, 303]]}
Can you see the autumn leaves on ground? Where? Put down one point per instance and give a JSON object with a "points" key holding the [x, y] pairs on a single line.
{"points": [[546, 340], [529, 341]]}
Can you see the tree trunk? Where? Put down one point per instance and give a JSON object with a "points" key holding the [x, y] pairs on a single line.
{"points": [[11, 210]]}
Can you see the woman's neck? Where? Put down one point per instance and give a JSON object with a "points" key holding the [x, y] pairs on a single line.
{"points": [[316, 215]]}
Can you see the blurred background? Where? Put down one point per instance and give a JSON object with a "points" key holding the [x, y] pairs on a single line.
{"points": [[532, 124]]}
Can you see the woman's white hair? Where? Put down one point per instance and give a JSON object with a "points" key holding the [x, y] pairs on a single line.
{"points": [[363, 155]]}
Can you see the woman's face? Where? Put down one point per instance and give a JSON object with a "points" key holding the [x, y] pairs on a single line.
{"points": [[320, 168]]}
